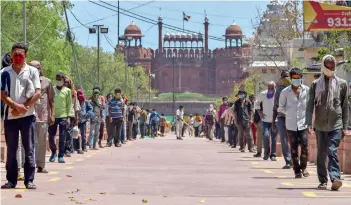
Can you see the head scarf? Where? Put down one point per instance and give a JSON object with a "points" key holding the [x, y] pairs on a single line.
{"points": [[80, 95], [334, 86], [70, 85]]}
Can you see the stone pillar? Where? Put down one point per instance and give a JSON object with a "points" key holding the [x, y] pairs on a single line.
{"points": [[160, 48], [206, 36]]}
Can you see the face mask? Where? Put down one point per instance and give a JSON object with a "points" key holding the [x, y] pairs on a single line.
{"points": [[18, 59], [241, 96], [211, 108], [59, 83], [286, 81], [80, 98], [327, 72], [226, 102], [296, 82]]}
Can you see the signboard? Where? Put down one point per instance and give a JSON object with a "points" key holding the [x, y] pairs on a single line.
{"points": [[326, 17]]}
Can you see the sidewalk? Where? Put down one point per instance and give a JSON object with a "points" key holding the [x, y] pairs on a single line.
{"points": [[165, 171]]}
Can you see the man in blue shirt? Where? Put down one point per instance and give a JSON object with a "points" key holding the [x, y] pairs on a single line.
{"points": [[154, 119], [293, 103], [116, 113]]}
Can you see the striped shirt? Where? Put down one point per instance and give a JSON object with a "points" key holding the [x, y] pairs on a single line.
{"points": [[116, 107]]}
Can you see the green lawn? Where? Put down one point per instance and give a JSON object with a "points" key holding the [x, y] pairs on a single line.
{"points": [[182, 97]]}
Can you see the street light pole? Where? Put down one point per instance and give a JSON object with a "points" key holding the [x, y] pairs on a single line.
{"points": [[173, 104], [24, 23]]}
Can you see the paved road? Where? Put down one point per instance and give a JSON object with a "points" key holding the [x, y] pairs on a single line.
{"points": [[165, 171]]}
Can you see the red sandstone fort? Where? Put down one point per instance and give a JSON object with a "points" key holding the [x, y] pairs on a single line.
{"points": [[196, 68]]}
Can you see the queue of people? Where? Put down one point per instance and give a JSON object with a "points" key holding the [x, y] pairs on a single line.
{"points": [[293, 110], [35, 107]]}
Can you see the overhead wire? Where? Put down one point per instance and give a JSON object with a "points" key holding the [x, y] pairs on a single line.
{"points": [[151, 21], [77, 18]]}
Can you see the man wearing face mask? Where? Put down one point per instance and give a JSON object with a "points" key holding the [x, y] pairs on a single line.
{"points": [[45, 116], [210, 120], [281, 128], [62, 104], [266, 114], [96, 121], [292, 103], [20, 90], [221, 110], [243, 112], [116, 113], [328, 99], [84, 114]]}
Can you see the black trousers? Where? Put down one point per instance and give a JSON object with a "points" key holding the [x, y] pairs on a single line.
{"points": [[297, 138], [116, 127]]}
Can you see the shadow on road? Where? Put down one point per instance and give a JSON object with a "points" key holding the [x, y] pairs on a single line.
{"points": [[253, 160], [229, 152]]}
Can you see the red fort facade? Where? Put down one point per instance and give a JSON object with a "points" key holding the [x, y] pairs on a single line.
{"points": [[197, 69]]}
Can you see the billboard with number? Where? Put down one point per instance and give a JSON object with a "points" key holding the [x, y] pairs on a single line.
{"points": [[326, 17]]}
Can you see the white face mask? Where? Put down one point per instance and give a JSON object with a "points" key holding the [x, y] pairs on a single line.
{"points": [[211, 108], [327, 72], [59, 83]]}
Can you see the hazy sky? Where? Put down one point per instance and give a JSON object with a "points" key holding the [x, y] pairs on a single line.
{"points": [[221, 14]]}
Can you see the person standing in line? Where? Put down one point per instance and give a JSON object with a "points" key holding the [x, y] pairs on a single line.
{"points": [[259, 131], [124, 124], [293, 103], [191, 125], [179, 122], [328, 100], [107, 121], [131, 119], [96, 121], [137, 112], [253, 126], [162, 124], [285, 81], [243, 119], [73, 116], [154, 120], [221, 110], [228, 121], [62, 104], [143, 118], [20, 90], [116, 113], [85, 113], [102, 123], [266, 114], [210, 120], [197, 124], [45, 112]]}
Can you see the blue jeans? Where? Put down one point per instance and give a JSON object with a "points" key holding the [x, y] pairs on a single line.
{"points": [[154, 130], [123, 129], [94, 133], [281, 128], [26, 126], [61, 123], [269, 150], [327, 144]]}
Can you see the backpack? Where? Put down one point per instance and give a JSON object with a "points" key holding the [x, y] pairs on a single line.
{"points": [[210, 118]]}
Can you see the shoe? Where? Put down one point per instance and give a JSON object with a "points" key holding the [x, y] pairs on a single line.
{"points": [[336, 185], [287, 166], [298, 176], [242, 150], [305, 173], [95, 148], [41, 170], [265, 157], [85, 150], [322, 186], [257, 155], [67, 154], [61, 160], [53, 157], [234, 146], [30, 185], [8, 185], [80, 152], [119, 145], [273, 159], [108, 145], [251, 150], [100, 146], [124, 142]]}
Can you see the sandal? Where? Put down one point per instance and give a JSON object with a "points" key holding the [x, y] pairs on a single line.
{"points": [[30, 185], [8, 185]]}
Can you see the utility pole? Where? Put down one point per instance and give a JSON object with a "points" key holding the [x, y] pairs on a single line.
{"points": [[173, 104], [72, 44], [24, 22], [98, 51], [118, 23]]}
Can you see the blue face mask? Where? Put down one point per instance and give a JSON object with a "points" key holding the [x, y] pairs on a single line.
{"points": [[241, 96], [296, 82]]}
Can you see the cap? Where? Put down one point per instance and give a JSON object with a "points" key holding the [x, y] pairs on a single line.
{"points": [[118, 90]]}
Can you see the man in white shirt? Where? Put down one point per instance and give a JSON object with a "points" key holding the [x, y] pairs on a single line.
{"points": [[179, 122], [20, 90], [266, 114], [293, 103], [148, 122]]}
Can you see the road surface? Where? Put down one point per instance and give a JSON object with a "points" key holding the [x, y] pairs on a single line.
{"points": [[165, 171]]}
